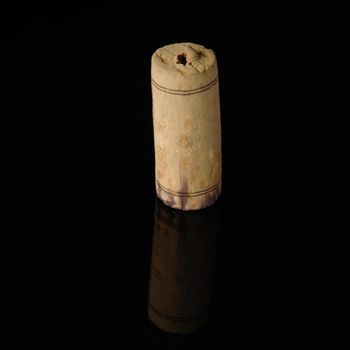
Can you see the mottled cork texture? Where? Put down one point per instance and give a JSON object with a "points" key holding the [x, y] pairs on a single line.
{"points": [[187, 128]]}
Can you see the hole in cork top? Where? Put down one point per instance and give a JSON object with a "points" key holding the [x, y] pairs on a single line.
{"points": [[181, 59]]}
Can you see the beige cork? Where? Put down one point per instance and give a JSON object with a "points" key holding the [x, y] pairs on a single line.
{"points": [[187, 128], [182, 268]]}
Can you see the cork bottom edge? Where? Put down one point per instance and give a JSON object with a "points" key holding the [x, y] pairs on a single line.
{"points": [[189, 203]]}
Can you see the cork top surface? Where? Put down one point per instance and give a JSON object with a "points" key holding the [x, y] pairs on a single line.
{"points": [[183, 66], [186, 58]]}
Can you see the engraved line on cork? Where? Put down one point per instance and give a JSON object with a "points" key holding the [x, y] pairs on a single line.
{"points": [[190, 194], [185, 92], [175, 318], [190, 90]]}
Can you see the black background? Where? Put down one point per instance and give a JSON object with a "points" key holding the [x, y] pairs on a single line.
{"points": [[78, 166]]}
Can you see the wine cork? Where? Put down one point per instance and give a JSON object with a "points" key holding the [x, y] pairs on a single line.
{"points": [[187, 128], [183, 255]]}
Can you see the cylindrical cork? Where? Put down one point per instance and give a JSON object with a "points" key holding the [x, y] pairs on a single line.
{"points": [[187, 128], [184, 247]]}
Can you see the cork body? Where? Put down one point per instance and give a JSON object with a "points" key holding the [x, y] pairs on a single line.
{"points": [[182, 268], [187, 128]]}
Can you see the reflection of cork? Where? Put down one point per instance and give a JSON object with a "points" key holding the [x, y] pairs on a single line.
{"points": [[182, 266], [186, 121]]}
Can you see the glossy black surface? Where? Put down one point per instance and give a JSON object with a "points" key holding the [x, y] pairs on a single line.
{"points": [[78, 181], [182, 267]]}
